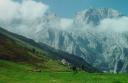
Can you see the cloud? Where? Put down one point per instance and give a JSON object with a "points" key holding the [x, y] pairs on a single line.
{"points": [[8, 10], [26, 10], [27, 16], [32, 10], [19, 17], [66, 23], [115, 24]]}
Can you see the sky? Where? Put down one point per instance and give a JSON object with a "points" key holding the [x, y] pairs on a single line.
{"points": [[21, 14], [68, 8]]}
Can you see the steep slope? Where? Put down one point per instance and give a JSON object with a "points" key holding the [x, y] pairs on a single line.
{"points": [[104, 50], [20, 49]]}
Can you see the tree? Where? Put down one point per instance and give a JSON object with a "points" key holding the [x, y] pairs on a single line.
{"points": [[33, 50], [82, 67], [74, 69]]}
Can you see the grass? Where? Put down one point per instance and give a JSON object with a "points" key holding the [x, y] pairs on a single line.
{"points": [[11, 72]]}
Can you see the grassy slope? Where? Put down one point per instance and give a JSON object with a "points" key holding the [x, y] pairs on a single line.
{"points": [[12, 49], [11, 72]]}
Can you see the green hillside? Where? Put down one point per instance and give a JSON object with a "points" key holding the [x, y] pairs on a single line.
{"points": [[18, 48], [18, 51]]}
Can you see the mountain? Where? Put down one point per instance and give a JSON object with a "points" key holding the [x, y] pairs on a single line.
{"points": [[94, 15], [103, 50], [19, 49]]}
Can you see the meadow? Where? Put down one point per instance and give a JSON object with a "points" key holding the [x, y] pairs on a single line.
{"points": [[11, 72]]}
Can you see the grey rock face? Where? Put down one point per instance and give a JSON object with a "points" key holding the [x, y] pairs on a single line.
{"points": [[104, 50], [94, 15]]}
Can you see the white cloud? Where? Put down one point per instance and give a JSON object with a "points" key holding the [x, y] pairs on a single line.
{"points": [[27, 10], [32, 10], [117, 24], [19, 17], [66, 23], [8, 10]]}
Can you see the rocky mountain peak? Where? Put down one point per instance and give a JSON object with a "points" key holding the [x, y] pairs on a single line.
{"points": [[95, 15]]}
